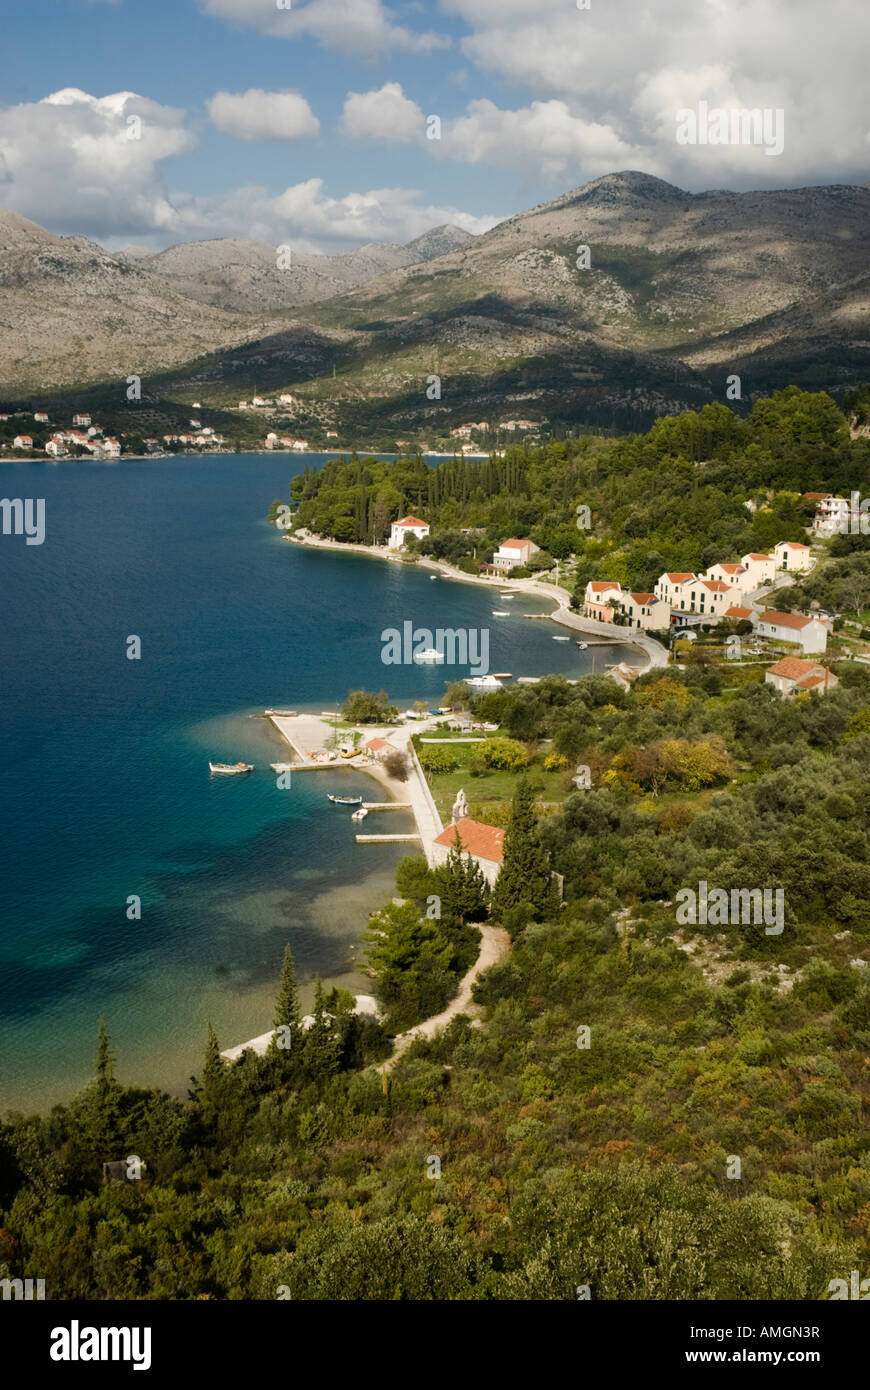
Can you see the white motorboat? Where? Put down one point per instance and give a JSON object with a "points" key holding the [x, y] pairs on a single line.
{"points": [[231, 768], [429, 654], [360, 814], [561, 639], [582, 646], [500, 613]]}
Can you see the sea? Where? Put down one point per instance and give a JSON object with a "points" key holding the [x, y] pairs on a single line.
{"points": [[135, 886]]}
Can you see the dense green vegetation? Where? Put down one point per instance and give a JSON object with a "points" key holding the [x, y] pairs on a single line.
{"points": [[588, 1119]]}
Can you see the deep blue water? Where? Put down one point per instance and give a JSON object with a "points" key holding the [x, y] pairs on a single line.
{"points": [[105, 790]]}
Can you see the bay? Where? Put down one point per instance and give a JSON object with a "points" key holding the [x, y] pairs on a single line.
{"points": [[104, 784]]}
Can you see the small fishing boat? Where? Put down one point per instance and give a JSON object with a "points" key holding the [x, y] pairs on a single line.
{"points": [[582, 646], [231, 768], [561, 639], [360, 814], [502, 675], [345, 800], [500, 613]]}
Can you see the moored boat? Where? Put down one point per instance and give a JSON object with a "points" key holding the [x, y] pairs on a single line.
{"points": [[360, 814], [345, 800], [230, 768]]}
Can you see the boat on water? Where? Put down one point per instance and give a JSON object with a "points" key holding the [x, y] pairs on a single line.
{"points": [[482, 682], [284, 713], [500, 613], [231, 768], [561, 639], [429, 654], [360, 814], [502, 675], [345, 800], [582, 646]]}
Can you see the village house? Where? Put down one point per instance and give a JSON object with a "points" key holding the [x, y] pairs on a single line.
{"points": [[832, 515], [792, 675], [709, 597], [513, 552], [379, 748], [285, 398], [810, 634], [56, 447], [22, 441], [674, 588], [332, 434], [793, 556], [623, 674], [481, 843], [643, 610], [40, 417], [734, 575], [760, 569], [596, 599], [81, 419], [408, 526], [300, 445]]}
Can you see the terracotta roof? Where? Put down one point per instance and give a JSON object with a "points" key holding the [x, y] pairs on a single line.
{"points": [[515, 544], [716, 586], [792, 545], [737, 612], [599, 585], [410, 521], [812, 682], [754, 556], [795, 620], [731, 569], [678, 577], [481, 841], [816, 496], [378, 743], [794, 669], [643, 598]]}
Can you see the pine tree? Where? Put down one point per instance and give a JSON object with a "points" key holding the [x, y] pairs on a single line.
{"points": [[287, 1011], [525, 871], [214, 1068], [322, 1045]]}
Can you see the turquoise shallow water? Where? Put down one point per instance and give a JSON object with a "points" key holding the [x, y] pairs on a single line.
{"points": [[104, 787]]}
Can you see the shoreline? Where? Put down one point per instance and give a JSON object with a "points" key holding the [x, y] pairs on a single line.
{"points": [[653, 654]]}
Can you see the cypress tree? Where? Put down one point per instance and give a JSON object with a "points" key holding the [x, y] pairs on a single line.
{"points": [[213, 1069], [287, 1012], [322, 1045], [525, 871]]}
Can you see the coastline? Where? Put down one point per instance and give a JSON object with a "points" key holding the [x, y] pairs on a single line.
{"points": [[652, 652]]}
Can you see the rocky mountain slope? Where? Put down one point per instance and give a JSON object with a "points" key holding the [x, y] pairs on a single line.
{"points": [[243, 276]]}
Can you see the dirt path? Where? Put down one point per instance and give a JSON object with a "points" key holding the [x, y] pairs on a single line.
{"points": [[494, 945]]}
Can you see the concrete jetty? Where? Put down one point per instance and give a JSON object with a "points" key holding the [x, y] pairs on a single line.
{"points": [[387, 806], [387, 839]]}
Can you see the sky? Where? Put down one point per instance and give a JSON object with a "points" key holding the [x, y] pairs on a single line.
{"points": [[326, 124]]}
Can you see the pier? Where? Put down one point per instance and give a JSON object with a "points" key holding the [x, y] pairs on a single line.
{"points": [[387, 806], [409, 839]]}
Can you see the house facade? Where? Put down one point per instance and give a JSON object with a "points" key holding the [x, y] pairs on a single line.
{"points": [[810, 634], [408, 526], [709, 597], [596, 599], [644, 610], [760, 569], [674, 588], [734, 575], [513, 552], [793, 556], [793, 675]]}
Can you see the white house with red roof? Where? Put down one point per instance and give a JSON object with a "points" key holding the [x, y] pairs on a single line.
{"points": [[793, 556], [793, 675], [674, 588], [738, 614], [709, 597], [760, 568], [482, 843], [597, 599], [513, 552], [734, 575], [81, 419], [810, 634], [379, 748], [22, 441], [644, 610], [407, 526]]}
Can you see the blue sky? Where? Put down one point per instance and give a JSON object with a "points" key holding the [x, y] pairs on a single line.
{"points": [[250, 126]]}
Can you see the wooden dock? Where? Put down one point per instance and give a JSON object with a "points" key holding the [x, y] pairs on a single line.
{"points": [[387, 806], [387, 839]]}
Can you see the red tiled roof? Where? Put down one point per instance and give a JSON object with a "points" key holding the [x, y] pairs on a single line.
{"points": [[481, 841], [643, 598], [410, 521], [737, 612], [754, 556], [679, 577], [795, 620], [716, 586], [598, 585], [792, 668], [731, 569], [515, 544], [378, 743], [793, 545]]}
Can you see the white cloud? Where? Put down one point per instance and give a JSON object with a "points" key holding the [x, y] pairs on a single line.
{"points": [[545, 136], [305, 217], [258, 115], [363, 28], [71, 154], [386, 114], [631, 67]]}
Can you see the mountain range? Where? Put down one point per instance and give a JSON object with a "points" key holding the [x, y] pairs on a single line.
{"points": [[675, 292]]}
